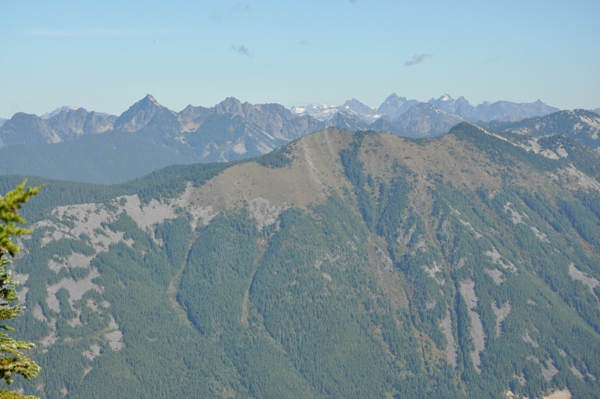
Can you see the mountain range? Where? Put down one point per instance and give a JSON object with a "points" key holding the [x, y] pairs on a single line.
{"points": [[343, 265], [57, 111], [486, 111], [579, 124], [70, 122], [394, 106], [73, 144], [86, 146]]}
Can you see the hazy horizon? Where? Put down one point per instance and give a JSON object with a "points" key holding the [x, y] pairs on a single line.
{"points": [[313, 103], [106, 58]]}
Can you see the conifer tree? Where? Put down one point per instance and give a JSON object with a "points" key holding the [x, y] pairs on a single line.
{"points": [[12, 360]]}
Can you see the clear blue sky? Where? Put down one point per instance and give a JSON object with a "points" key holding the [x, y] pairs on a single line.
{"points": [[106, 55]]}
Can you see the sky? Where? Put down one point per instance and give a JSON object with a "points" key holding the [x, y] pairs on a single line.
{"points": [[105, 56]]}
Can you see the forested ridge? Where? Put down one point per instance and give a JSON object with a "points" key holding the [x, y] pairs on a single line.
{"points": [[463, 266]]}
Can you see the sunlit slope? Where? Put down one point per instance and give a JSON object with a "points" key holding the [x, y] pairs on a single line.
{"points": [[343, 265]]}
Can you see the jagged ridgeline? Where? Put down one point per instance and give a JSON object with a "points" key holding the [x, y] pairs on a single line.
{"points": [[345, 265]]}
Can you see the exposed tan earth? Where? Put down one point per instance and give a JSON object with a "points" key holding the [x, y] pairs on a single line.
{"points": [[559, 395]]}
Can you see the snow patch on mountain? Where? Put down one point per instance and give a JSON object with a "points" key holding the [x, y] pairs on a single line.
{"points": [[239, 148]]}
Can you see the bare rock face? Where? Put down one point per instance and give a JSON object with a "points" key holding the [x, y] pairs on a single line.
{"points": [[274, 119], [509, 111], [27, 129], [343, 120], [72, 124], [230, 105], [138, 115], [359, 110], [488, 111], [460, 106], [425, 120], [66, 125], [394, 106]]}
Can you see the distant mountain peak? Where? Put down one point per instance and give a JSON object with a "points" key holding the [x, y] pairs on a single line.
{"points": [[230, 105], [149, 100], [230, 101], [363, 112], [321, 112], [425, 120], [150, 97], [394, 106], [324, 112], [445, 97], [57, 111], [138, 115]]}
